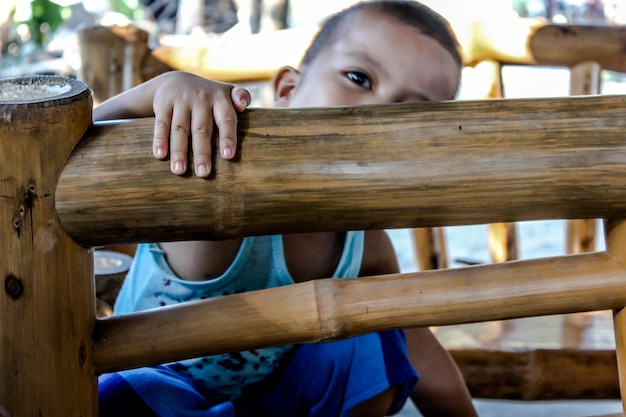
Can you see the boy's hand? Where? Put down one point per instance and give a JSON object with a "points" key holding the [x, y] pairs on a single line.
{"points": [[187, 105]]}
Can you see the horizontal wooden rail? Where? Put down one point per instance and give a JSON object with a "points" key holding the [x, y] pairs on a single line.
{"points": [[535, 42], [399, 165], [541, 374], [330, 309]]}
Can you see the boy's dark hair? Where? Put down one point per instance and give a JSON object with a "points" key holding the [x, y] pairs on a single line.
{"points": [[409, 12]]}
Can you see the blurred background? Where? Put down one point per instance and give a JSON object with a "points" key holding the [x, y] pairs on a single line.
{"points": [[39, 36]]}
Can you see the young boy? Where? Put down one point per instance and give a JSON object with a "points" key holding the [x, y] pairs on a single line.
{"points": [[372, 53]]}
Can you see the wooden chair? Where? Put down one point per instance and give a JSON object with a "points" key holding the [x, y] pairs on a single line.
{"points": [[77, 186]]}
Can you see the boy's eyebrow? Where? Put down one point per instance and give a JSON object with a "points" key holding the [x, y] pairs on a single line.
{"points": [[366, 57]]}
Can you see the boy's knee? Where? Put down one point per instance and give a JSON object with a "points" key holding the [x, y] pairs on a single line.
{"points": [[330, 360]]}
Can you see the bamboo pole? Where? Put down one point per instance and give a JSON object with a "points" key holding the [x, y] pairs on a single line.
{"points": [[502, 241], [568, 45], [47, 311], [581, 233], [430, 248], [501, 237], [330, 309], [423, 164], [112, 58], [615, 236]]}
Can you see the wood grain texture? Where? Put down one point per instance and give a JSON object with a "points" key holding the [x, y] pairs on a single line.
{"points": [[331, 309], [539, 374], [615, 231], [568, 45], [113, 59], [47, 311], [402, 165]]}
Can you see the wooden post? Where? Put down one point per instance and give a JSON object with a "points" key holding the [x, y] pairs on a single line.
{"points": [[615, 232], [112, 59], [501, 237], [47, 313], [581, 233], [580, 237], [430, 248], [502, 241]]}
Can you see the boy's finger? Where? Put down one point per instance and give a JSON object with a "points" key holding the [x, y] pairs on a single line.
{"points": [[179, 141], [201, 133], [160, 140], [226, 122]]}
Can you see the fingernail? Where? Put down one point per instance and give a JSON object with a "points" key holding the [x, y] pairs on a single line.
{"points": [[159, 152], [178, 166], [227, 152], [201, 170]]}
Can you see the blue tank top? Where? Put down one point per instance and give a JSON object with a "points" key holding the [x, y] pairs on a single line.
{"points": [[259, 264]]}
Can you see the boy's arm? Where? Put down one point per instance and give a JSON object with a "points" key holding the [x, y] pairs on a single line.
{"points": [[440, 390], [183, 105]]}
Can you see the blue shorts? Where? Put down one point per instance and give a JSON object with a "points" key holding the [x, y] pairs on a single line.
{"points": [[318, 380]]}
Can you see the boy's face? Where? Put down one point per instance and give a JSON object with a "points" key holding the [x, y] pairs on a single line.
{"points": [[373, 60]]}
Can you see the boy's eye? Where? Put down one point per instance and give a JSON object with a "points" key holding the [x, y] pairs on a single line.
{"points": [[360, 79]]}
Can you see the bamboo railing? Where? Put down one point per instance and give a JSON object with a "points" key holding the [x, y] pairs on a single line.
{"points": [[480, 160], [518, 41], [68, 186]]}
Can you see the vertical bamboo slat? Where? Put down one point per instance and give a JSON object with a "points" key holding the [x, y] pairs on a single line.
{"points": [[581, 233], [502, 241], [430, 244], [615, 231], [47, 312], [112, 59], [430, 248], [501, 237]]}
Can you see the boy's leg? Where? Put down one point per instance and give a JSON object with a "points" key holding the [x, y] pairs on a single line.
{"points": [[330, 379], [117, 398], [155, 392]]}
